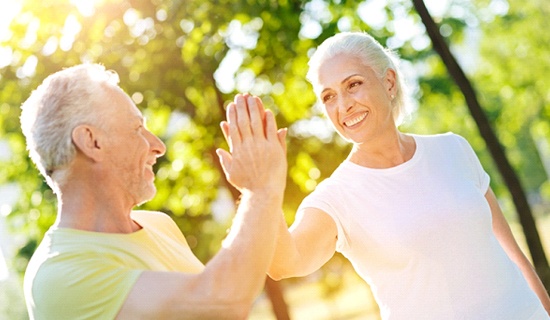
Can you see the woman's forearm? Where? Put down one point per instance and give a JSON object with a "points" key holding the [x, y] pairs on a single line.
{"points": [[305, 247], [286, 255]]}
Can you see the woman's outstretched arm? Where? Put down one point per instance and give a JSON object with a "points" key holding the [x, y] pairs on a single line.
{"points": [[305, 247]]}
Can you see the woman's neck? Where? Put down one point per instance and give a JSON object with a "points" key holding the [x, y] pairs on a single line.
{"points": [[385, 152]]}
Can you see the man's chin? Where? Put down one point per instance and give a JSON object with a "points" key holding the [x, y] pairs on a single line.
{"points": [[147, 196]]}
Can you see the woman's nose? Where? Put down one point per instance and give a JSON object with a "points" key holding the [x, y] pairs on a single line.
{"points": [[345, 103]]}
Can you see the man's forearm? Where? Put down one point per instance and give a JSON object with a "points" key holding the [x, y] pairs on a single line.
{"points": [[239, 268]]}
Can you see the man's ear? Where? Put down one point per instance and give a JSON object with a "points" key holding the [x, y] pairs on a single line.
{"points": [[87, 140]]}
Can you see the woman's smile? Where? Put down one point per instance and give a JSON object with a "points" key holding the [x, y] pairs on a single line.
{"points": [[356, 119]]}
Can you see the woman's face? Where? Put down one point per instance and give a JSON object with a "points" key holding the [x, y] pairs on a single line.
{"points": [[355, 98]]}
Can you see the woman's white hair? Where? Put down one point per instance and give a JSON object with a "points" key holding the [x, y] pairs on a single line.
{"points": [[372, 54], [65, 100]]}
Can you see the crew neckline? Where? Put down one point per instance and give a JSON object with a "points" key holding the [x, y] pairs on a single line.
{"points": [[400, 167], [134, 215]]}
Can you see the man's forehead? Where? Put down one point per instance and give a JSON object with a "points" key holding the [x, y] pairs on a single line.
{"points": [[117, 100]]}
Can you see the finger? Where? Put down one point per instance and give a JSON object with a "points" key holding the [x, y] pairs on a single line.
{"points": [[256, 121], [225, 161], [233, 128], [270, 126], [243, 119], [224, 125], [261, 110], [281, 134]]}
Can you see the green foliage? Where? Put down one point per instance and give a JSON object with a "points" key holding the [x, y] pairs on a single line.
{"points": [[511, 75], [12, 304]]}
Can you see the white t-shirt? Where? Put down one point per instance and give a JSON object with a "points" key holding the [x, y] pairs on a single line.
{"points": [[421, 235]]}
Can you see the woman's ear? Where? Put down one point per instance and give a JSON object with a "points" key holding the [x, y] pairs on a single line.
{"points": [[390, 81], [87, 140]]}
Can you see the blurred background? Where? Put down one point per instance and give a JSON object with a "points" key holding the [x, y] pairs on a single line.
{"points": [[182, 61]]}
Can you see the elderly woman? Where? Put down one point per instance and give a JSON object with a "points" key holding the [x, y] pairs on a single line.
{"points": [[414, 214]]}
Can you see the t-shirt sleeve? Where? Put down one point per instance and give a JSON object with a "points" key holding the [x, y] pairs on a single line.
{"points": [[325, 201], [479, 175], [93, 288]]}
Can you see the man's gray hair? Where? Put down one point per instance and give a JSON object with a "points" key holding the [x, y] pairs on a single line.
{"points": [[65, 100], [372, 54]]}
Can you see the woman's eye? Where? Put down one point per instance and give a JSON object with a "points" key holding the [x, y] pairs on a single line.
{"points": [[327, 97], [354, 84]]}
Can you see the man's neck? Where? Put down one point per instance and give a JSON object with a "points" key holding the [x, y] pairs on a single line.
{"points": [[90, 211]]}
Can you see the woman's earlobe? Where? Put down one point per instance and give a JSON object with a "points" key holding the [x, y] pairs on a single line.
{"points": [[391, 80]]}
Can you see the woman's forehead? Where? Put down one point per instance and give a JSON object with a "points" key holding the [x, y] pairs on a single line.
{"points": [[336, 70]]}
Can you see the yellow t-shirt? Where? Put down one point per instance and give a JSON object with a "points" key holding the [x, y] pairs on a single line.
{"points": [[77, 274]]}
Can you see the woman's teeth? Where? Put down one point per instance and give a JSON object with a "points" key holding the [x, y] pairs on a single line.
{"points": [[356, 120]]}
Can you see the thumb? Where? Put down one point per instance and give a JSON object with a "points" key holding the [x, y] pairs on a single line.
{"points": [[225, 160]]}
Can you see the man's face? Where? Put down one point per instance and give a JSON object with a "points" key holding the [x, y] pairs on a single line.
{"points": [[132, 148]]}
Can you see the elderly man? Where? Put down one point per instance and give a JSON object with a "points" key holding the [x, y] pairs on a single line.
{"points": [[101, 259]]}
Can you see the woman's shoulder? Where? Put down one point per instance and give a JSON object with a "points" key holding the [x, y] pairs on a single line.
{"points": [[440, 140], [449, 135]]}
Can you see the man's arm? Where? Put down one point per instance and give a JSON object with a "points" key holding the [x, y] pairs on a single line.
{"points": [[231, 281]]}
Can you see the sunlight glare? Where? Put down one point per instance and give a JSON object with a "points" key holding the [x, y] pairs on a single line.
{"points": [[29, 67], [6, 55], [4, 274], [85, 7], [10, 9], [373, 13], [437, 8], [71, 28]]}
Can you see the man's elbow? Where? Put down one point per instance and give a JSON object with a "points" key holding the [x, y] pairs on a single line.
{"points": [[280, 273], [275, 275]]}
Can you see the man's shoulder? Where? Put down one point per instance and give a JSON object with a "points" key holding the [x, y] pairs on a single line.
{"points": [[149, 213], [157, 222], [153, 216]]}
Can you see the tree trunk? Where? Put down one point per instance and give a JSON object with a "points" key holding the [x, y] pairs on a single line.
{"points": [[278, 303], [512, 181]]}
